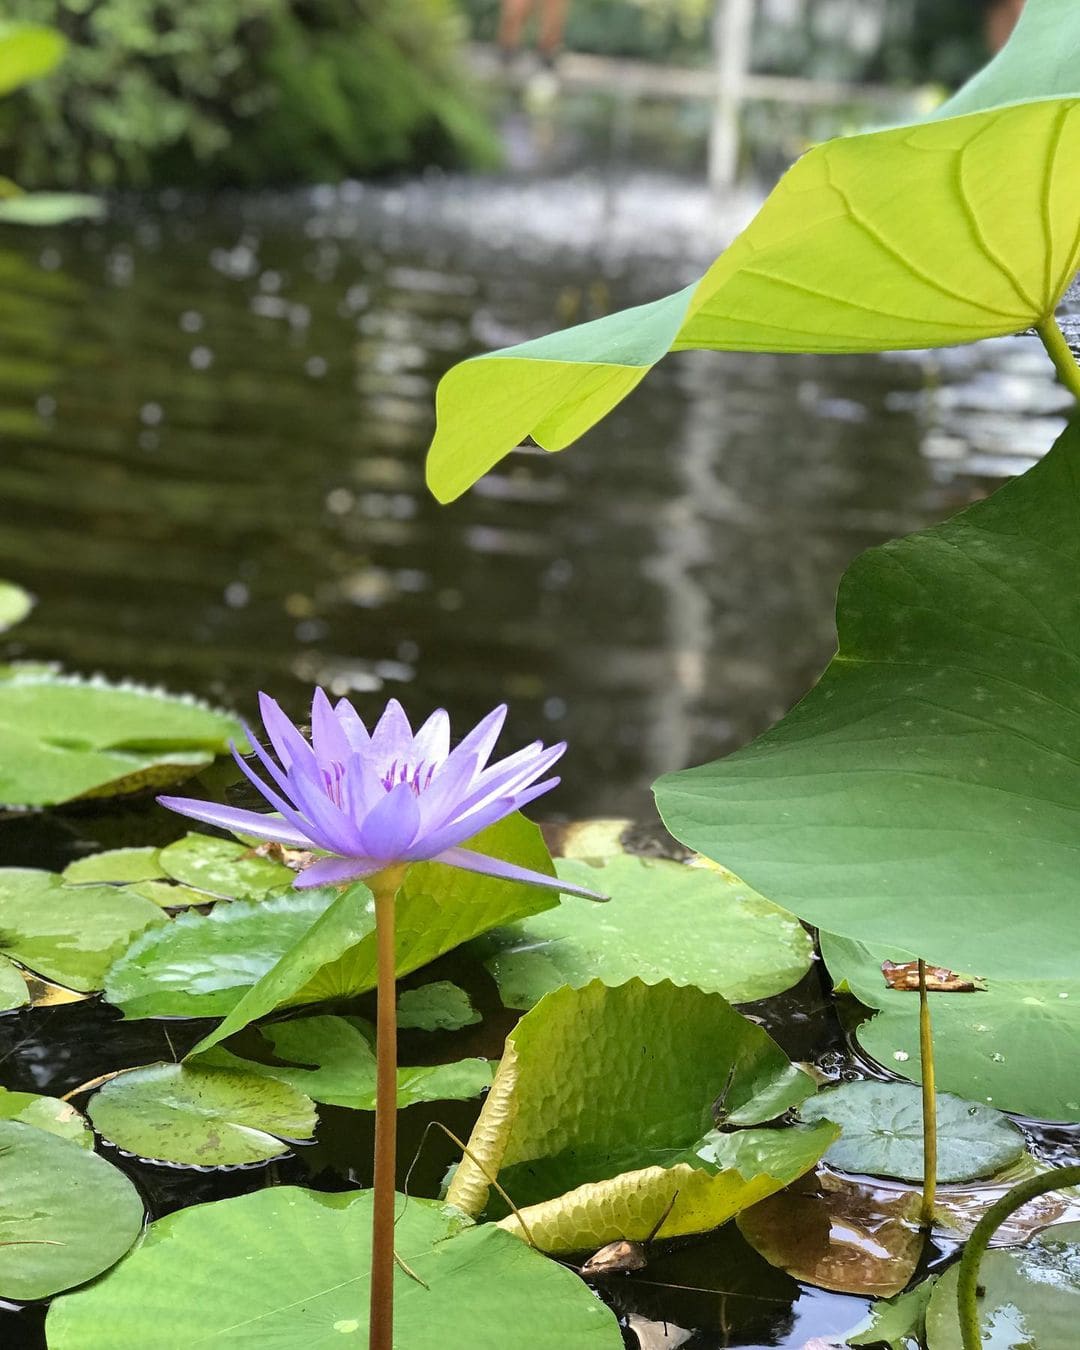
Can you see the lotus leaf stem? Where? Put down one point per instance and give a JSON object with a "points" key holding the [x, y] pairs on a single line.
{"points": [[967, 1288], [1061, 354], [929, 1104]]}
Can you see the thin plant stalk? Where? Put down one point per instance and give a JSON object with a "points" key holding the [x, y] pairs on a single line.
{"points": [[1053, 339], [929, 1104], [967, 1285], [384, 887]]}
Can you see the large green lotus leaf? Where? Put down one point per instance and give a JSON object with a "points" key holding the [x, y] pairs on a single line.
{"points": [[726, 1173], [65, 1214], [1010, 1043], [1031, 1298], [882, 1132], [437, 908], [115, 865], [46, 1113], [202, 965], [933, 234], [838, 1233], [70, 934], [15, 604], [599, 1081], [690, 925], [331, 1060], [27, 51], [63, 738], [223, 867], [439, 1006], [926, 794], [13, 990], [197, 1115], [307, 1286]]}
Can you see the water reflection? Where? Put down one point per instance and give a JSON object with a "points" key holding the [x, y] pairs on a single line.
{"points": [[213, 422]]}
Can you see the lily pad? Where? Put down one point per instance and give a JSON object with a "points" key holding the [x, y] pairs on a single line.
{"points": [[480, 1287], [70, 934], [64, 738], [331, 1059], [185, 1113], [46, 1113], [65, 1214], [599, 1081], [899, 1322], [169, 894], [439, 1006], [15, 605], [840, 1234], [690, 925], [13, 990], [1009, 1043], [115, 865], [201, 965], [881, 1135], [1031, 1299], [925, 794], [223, 868], [727, 1173]]}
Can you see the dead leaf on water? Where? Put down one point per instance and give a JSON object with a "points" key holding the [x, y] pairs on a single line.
{"points": [[939, 979]]}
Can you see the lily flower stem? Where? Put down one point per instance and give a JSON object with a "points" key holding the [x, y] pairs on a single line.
{"points": [[1053, 339], [384, 886], [967, 1286], [929, 1104]]}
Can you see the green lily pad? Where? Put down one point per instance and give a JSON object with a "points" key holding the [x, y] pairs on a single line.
{"points": [[439, 1006], [13, 990], [480, 1287], [70, 934], [223, 868], [188, 1113], [169, 894], [63, 738], [881, 1127], [46, 1113], [665, 921], [725, 1173], [437, 908], [1009, 1044], [65, 1214], [115, 865], [1032, 1298], [899, 1323], [839, 1234], [331, 1059], [201, 965], [925, 794], [15, 605], [599, 1081]]}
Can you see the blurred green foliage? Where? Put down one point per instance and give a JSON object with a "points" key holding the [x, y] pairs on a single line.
{"points": [[242, 91]]}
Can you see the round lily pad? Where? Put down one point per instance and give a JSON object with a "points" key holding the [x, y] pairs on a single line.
{"points": [[185, 1113], [881, 1135], [46, 1113], [13, 990], [65, 1214], [439, 1006], [223, 868], [289, 1269], [114, 865]]}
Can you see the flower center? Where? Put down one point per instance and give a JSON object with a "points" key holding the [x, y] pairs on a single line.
{"points": [[418, 777]]}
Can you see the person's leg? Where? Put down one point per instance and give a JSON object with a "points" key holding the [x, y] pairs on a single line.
{"points": [[552, 23], [512, 20]]}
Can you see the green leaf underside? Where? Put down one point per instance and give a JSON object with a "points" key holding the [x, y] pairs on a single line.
{"points": [[638, 1070], [71, 1213], [63, 738], [191, 1114], [46, 1113], [933, 234], [926, 794], [898, 1323], [115, 865], [439, 1006], [882, 1132], [1010, 1044], [15, 605], [1031, 1298], [27, 51], [223, 868], [13, 990], [309, 1286], [692, 925], [331, 1060], [69, 934], [722, 1175], [437, 908]]}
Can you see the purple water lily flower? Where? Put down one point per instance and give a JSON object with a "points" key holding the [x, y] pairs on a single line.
{"points": [[371, 800]]}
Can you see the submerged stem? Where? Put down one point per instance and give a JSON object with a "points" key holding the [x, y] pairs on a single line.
{"points": [[384, 886], [967, 1288], [1053, 339], [929, 1104]]}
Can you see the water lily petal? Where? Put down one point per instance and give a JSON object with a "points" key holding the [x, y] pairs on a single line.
{"points": [[290, 747], [352, 725], [469, 861], [506, 784], [480, 742], [335, 871], [458, 828], [388, 830], [432, 742], [240, 822], [328, 738], [438, 802], [392, 738]]}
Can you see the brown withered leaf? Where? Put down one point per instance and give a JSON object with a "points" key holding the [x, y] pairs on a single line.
{"points": [[939, 979], [296, 858]]}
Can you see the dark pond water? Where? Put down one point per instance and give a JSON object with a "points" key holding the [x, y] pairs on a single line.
{"points": [[212, 427]]}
